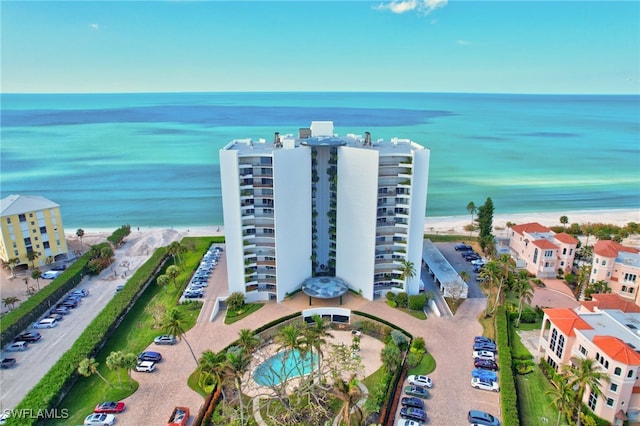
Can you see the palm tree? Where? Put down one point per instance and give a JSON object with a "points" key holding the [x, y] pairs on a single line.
{"points": [[408, 271], [129, 362], [115, 361], [163, 281], [175, 249], [80, 234], [248, 340], [564, 220], [315, 336], [561, 394], [505, 263], [89, 366], [32, 256], [349, 393], [173, 271], [236, 366], [172, 323], [289, 339], [583, 373], [472, 209], [10, 301], [525, 291], [35, 274], [583, 278], [490, 273], [212, 366], [12, 263]]}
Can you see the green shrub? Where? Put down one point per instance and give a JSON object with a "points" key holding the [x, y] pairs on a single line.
{"points": [[235, 301], [508, 395], [414, 359], [419, 345], [392, 303], [417, 301], [390, 295], [119, 235], [382, 321], [402, 299], [529, 316]]}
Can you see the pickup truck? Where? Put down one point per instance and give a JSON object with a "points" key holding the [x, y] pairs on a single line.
{"points": [[179, 417]]}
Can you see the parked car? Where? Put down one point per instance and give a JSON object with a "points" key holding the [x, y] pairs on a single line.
{"points": [[413, 414], [46, 323], [7, 362], [146, 366], [484, 374], [150, 356], [484, 384], [50, 275], [68, 303], [419, 380], [193, 294], [464, 253], [100, 419], [408, 422], [59, 267], [17, 346], [29, 336], [81, 292], [487, 364], [471, 257], [58, 317], [62, 310], [179, 416], [411, 401], [479, 339], [484, 355], [463, 247], [417, 391], [109, 407], [485, 347], [479, 279], [165, 339], [481, 418]]}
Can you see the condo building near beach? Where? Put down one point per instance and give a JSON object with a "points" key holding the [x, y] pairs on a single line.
{"points": [[541, 251], [348, 208], [31, 223], [619, 266], [606, 329]]}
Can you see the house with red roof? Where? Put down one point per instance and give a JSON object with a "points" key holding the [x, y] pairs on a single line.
{"points": [[540, 250], [619, 266], [606, 329]]}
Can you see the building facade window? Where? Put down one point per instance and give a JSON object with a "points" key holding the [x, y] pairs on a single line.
{"points": [[548, 253], [630, 277], [535, 256], [583, 350], [593, 400], [564, 250], [610, 402], [617, 371], [614, 387], [630, 374], [554, 338], [22, 218], [560, 346]]}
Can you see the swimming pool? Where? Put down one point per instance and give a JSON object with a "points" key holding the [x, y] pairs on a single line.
{"points": [[283, 366]]}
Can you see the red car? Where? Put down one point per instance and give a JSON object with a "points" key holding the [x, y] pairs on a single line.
{"points": [[109, 407]]}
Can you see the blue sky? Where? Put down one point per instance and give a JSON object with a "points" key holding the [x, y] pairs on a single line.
{"points": [[408, 46]]}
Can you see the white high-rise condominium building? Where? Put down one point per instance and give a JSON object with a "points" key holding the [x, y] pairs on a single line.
{"points": [[321, 204]]}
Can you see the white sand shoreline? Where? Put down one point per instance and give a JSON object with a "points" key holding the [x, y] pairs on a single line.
{"points": [[436, 224]]}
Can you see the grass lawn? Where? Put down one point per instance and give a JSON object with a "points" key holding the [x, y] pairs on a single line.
{"points": [[372, 381], [533, 404], [454, 304], [416, 314], [488, 326], [133, 335], [426, 366], [246, 310]]}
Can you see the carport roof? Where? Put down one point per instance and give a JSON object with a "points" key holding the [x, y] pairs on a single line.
{"points": [[440, 267]]}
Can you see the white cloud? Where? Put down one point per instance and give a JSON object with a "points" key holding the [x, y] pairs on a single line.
{"points": [[95, 27], [423, 6]]}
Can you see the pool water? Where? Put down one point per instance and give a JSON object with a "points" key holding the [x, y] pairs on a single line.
{"points": [[283, 366]]}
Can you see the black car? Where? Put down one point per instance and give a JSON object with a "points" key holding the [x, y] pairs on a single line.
{"points": [[413, 414], [31, 336], [62, 310], [487, 364], [7, 362], [485, 347], [471, 257], [409, 401], [463, 247], [150, 356]]}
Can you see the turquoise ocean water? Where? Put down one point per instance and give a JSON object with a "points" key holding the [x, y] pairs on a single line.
{"points": [[152, 159]]}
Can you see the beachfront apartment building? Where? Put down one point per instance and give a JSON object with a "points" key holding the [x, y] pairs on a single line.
{"points": [[322, 205], [619, 266], [607, 330], [540, 250], [31, 223]]}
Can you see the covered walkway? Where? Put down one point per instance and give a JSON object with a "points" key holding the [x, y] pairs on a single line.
{"points": [[444, 276]]}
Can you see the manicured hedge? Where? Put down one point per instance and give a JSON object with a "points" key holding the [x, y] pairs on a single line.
{"points": [[508, 394], [34, 307], [375, 318], [53, 386]]}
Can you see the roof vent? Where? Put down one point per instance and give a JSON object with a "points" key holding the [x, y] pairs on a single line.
{"points": [[276, 140], [367, 139]]}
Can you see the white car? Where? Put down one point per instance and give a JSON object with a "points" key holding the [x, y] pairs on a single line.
{"points": [[50, 275], [484, 355], [146, 366], [484, 384], [407, 422], [17, 347], [46, 323], [100, 419], [418, 380]]}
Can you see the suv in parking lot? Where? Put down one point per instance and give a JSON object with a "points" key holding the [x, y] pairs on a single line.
{"points": [[463, 247], [413, 414], [480, 418]]}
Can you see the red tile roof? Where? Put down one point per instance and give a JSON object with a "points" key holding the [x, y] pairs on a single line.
{"points": [[609, 248], [591, 305], [529, 228], [545, 244], [636, 389], [611, 301], [567, 320], [617, 349], [565, 238]]}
